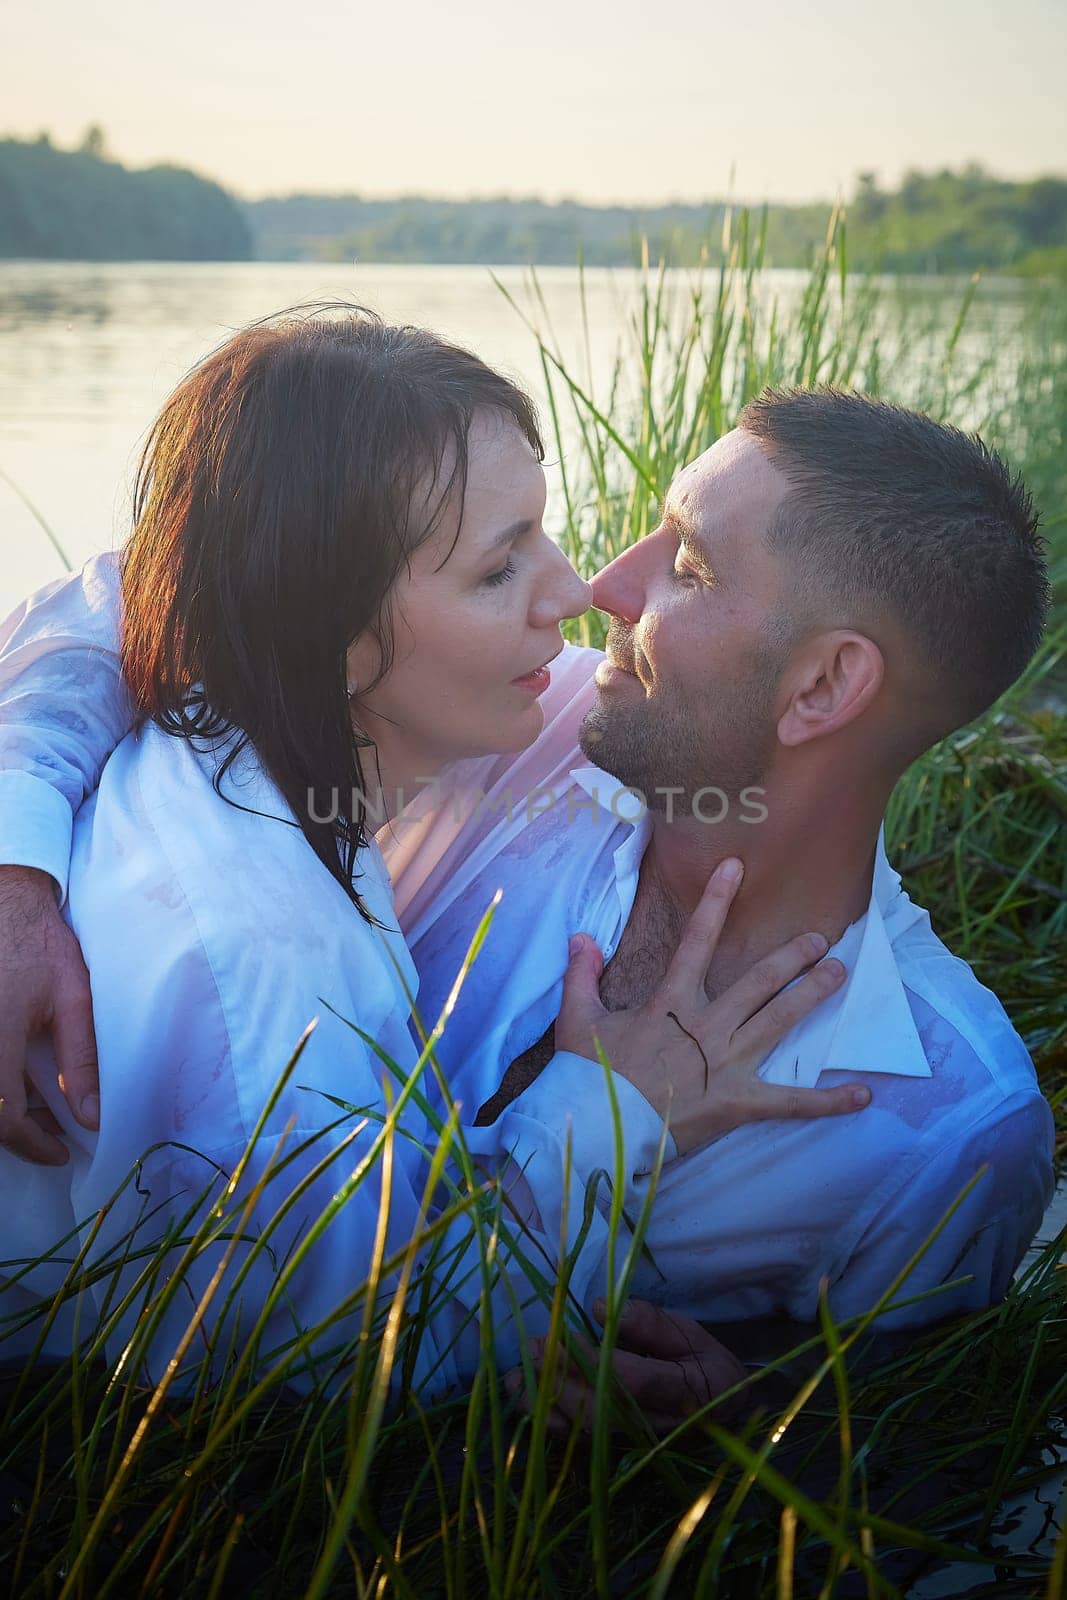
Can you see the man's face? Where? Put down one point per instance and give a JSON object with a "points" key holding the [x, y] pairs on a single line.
{"points": [[700, 631]]}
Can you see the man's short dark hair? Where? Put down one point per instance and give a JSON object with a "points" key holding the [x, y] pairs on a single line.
{"points": [[891, 513]]}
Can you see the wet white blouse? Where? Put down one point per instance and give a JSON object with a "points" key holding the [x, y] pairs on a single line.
{"points": [[214, 936]]}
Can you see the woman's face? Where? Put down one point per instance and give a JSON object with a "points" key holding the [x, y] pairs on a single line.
{"points": [[472, 629]]}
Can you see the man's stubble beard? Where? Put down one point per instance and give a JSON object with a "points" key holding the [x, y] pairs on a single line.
{"points": [[677, 742]]}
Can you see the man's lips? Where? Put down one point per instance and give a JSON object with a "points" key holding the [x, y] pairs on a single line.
{"points": [[621, 666], [610, 671], [620, 650]]}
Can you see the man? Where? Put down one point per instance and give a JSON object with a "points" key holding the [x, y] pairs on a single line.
{"points": [[834, 586]]}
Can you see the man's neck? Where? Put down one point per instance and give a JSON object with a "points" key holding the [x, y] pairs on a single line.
{"points": [[808, 869]]}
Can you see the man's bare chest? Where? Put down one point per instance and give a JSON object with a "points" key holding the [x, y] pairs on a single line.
{"points": [[643, 955]]}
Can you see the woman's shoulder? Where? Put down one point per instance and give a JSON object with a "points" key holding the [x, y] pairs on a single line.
{"points": [[214, 935], [206, 815], [214, 938], [156, 816]]}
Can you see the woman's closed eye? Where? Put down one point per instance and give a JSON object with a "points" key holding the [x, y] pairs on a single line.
{"points": [[506, 571]]}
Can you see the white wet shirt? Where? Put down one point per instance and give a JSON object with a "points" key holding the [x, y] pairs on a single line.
{"points": [[751, 1224], [213, 936]]}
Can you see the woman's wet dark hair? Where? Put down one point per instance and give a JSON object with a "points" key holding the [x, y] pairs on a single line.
{"points": [[283, 488]]}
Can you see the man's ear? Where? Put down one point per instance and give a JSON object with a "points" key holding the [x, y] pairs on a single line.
{"points": [[833, 680]]}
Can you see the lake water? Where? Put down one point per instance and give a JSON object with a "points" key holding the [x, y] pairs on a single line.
{"points": [[88, 352]]}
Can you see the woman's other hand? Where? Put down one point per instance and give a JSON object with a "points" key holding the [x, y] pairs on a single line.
{"points": [[669, 1365], [696, 1060], [44, 988]]}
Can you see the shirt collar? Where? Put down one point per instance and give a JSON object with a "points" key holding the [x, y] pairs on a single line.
{"points": [[868, 1025]]}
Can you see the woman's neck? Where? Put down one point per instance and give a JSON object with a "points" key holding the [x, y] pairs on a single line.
{"points": [[389, 785]]}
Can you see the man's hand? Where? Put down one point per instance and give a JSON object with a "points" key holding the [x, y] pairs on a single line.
{"points": [[44, 988], [669, 1365]]}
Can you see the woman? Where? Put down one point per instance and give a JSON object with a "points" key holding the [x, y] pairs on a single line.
{"points": [[338, 583]]}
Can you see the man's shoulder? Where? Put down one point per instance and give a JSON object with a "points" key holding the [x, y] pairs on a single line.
{"points": [[960, 1021]]}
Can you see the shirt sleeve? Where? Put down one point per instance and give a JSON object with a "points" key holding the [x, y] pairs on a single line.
{"points": [[63, 708], [985, 1238], [574, 1093]]}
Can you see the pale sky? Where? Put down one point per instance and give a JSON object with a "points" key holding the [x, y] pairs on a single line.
{"points": [[600, 99]]}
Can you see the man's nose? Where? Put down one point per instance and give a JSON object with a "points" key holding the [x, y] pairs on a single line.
{"points": [[619, 588]]}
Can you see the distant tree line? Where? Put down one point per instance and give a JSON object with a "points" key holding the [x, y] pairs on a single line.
{"points": [[938, 222], [961, 221], [499, 232], [504, 231], [82, 205], [79, 205]]}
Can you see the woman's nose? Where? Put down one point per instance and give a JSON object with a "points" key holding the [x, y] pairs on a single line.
{"points": [[565, 594]]}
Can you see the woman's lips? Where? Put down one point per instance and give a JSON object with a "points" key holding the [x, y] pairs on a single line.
{"points": [[536, 681], [539, 679]]}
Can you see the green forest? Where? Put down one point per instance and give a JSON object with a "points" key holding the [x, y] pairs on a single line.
{"points": [[83, 205], [79, 205], [940, 222]]}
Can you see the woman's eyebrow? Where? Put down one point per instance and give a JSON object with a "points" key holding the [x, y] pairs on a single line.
{"points": [[509, 534]]}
